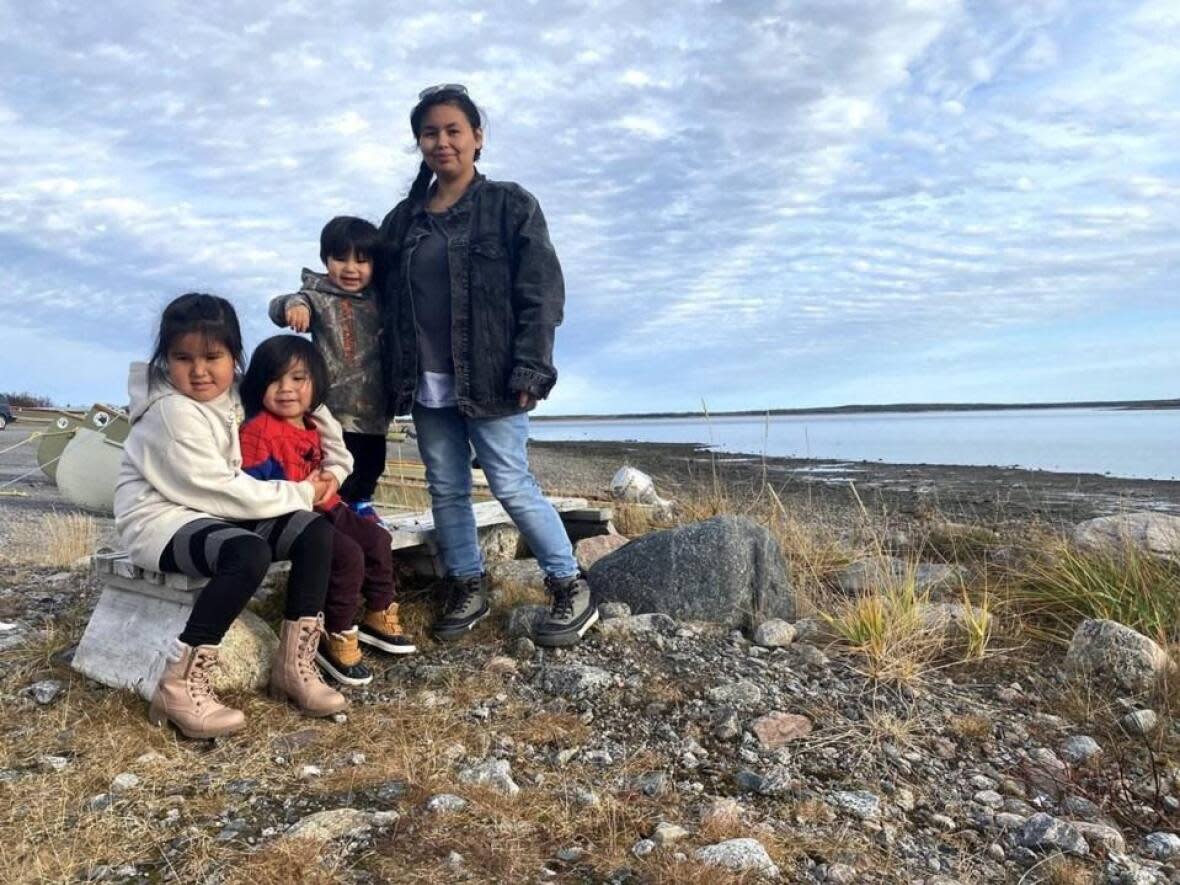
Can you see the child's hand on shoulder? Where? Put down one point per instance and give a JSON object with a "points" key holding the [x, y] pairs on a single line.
{"points": [[299, 318]]}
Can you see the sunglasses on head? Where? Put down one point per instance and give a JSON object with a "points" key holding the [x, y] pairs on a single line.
{"points": [[442, 87]]}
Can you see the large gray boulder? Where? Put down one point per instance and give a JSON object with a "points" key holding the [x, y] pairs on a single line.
{"points": [[246, 654], [1112, 653], [727, 569], [1148, 532]]}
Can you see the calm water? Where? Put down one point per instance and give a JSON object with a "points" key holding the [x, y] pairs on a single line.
{"points": [[1142, 444]]}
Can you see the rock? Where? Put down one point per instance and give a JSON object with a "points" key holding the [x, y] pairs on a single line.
{"points": [[524, 648], [1079, 749], [1110, 652], [774, 633], [643, 847], [124, 783], [668, 833], [307, 772], [1146, 531], [1107, 837], [777, 781], [44, 692], [524, 619], [608, 610], [575, 680], [738, 855], [742, 693], [246, 653], [494, 773], [840, 874], [637, 625], [589, 550], [725, 725], [499, 543], [859, 803], [519, 574], [653, 783], [777, 729], [445, 803], [989, 799], [1162, 846], [727, 569], [333, 824], [1045, 833], [1140, 722]]}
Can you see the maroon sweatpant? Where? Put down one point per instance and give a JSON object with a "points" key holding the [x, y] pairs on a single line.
{"points": [[362, 565]]}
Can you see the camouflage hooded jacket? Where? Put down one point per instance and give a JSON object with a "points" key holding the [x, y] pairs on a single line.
{"points": [[346, 330]]}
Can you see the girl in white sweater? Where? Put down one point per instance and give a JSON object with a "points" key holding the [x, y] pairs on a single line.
{"points": [[182, 504]]}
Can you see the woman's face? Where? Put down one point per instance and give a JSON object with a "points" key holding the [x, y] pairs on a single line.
{"points": [[447, 141]]}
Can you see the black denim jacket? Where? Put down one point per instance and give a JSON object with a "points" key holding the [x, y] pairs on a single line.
{"points": [[507, 296]]}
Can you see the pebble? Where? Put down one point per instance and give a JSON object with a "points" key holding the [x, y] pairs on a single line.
{"points": [[778, 729], [44, 692], [738, 855], [840, 874], [54, 763], [610, 610], [989, 798], [726, 726], [859, 803], [494, 773], [739, 693], [445, 803], [774, 633], [668, 833], [1043, 832], [332, 824], [1162, 846], [643, 847], [1080, 749], [1108, 838], [309, 771], [524, 648], [1141, 722], [124, 783]]}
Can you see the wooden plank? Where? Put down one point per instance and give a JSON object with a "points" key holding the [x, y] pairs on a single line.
{"points": [[589, 514], [416, 529]]}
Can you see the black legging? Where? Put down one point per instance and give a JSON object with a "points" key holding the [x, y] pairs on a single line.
{"points": [[236, 555]]}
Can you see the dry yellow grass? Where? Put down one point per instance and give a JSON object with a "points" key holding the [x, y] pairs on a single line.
{"points": [[56, 540]]}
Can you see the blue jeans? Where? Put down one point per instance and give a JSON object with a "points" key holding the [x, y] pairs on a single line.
{"points": [[445, 438]]}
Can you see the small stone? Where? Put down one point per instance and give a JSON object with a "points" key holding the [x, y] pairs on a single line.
{"points": [[524, 619], [739, 693], [859, 803], [357, 759], [332, 824], [1140, 722], [586, 798], [307, 772], [1079, 749], [1043, 832], [610, 610], [570, 854], [738, 855], [524, 648], [774, 633], [777, 781], [777, 729], [1047, 759], [1110, 652], [643, 847], [494, 773], [340, 718], [1162, 846], [726, 726], [598, 757], [840, 874], [944, 822], [905, 800], [124, 783], [445, 803], [989, 798], [151, 758], [575, 680], [385, 818], [1108, 838], [455, 859], [44, 692], [391, 791], [653, 783], [102, 802], [1007, 820], [668, 833]]}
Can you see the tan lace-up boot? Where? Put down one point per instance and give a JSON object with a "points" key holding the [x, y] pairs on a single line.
{"points": [[294, 676], [185, 698]]}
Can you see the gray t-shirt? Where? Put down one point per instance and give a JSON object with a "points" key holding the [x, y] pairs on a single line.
{"points": [[430, 287]]}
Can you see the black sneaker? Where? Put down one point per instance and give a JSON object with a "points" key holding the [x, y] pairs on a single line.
{"points": [[339, 656], [467, 605], [574, 612]]}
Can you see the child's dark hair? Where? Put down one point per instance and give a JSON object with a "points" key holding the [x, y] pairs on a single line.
{"points": [[210, 316], [455, 98], [271, 359], [345, 234]]}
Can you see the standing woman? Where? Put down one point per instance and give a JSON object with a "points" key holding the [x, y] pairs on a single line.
{"points": [[472, 295]]}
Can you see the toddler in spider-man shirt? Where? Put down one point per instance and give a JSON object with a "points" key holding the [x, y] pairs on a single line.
{"points": [[285, 381]]}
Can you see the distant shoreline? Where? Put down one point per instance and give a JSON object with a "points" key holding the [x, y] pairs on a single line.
{"points": [[1146, 404]]}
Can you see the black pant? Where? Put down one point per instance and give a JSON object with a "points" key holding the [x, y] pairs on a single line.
{"points": [[236, 555], [368, 455]]}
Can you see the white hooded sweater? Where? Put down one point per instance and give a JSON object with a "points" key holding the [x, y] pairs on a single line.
{"points": [[182, 462]]}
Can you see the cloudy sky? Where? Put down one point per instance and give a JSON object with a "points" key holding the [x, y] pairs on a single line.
{"points": [[756, 204]]}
